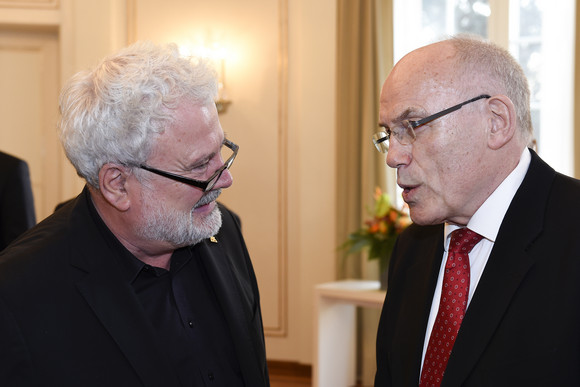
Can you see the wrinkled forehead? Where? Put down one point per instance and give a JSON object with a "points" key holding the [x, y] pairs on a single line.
{"points": [[195, 127]]}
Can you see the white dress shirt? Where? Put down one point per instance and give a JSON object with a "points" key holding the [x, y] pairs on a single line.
{"points": [[486, 222]]}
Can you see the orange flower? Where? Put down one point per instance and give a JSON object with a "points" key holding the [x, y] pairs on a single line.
{"points": [[378, 233]]}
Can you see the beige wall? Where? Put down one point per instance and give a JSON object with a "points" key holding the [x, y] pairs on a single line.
{"points": [[281, 81], [54, 38]]}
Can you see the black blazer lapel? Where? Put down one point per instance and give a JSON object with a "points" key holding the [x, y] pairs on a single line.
{"points": [[425, 275], [237, 301], [412, 279], [114, 303], [506, 268], [120, 313]]}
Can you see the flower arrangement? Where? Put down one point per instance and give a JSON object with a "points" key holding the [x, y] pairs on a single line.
{"points": [[379, 233]]}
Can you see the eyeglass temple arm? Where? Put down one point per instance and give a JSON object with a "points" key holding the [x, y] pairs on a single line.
{"points": [[382, 139], [426, 120]]}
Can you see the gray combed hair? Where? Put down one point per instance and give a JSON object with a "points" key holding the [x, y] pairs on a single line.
{"points": [[113, 113], [478, 56]]}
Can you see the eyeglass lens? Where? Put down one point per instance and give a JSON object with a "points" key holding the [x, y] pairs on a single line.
{"points": [[381, 141], [227, 158]]}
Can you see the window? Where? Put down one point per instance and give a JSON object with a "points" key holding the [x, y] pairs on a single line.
{"points": [[540, 35]]}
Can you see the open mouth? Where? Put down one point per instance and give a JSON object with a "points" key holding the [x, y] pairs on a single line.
{"points": [[408, 191]]}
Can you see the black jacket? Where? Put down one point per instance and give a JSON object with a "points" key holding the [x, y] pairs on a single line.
{"points": [[522, 326], [16, 201], [67, 318]]}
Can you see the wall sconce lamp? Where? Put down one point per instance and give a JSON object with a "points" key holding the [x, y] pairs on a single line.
{"points": [[222, 105], [222, 102], [217, 54]]}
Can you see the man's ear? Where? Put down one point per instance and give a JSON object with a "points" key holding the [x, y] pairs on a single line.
{"points": [[502, 121], [113, 185]]}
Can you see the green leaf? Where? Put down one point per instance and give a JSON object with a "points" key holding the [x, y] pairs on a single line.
{"points": [[382, 205]]}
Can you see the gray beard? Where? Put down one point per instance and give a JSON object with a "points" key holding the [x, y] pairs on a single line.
{"points": [[178, 228]]}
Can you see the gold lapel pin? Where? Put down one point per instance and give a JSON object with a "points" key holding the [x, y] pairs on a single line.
{"points": [[213, 239]]}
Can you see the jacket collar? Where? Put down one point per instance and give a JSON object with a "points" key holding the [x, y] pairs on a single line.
{"points": [[502, 276], [110, 296], [235, 298]]}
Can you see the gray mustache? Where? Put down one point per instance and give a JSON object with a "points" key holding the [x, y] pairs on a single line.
{"points": [[208, 198]]}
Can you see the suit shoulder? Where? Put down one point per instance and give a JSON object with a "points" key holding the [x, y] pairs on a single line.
{"points": [[11, 165], [566, 181], [415, 243], [229, 216], [230, 234], [45, 240], [563, 198], [416, 234], [6, 158]]}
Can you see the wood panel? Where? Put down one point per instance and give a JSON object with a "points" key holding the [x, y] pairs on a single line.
{"points": [[29, 84]]}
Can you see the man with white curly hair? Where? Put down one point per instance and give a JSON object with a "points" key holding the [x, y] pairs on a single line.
{"points": [[143, 279]]}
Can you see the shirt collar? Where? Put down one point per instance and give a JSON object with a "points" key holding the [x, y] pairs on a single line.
{"points": [[130, 265], [488, 217]]}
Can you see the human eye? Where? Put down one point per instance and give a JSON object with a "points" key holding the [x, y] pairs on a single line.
{"points": [[397, 131], [200, 167], [203, 165], [387, 131], [403, 132]]}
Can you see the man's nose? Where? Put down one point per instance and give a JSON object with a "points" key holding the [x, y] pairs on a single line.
{"points": [[225, 180], [398, 155]]}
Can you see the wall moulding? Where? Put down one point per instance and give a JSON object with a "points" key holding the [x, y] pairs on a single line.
{"points": [[281, 328], [30, 4]]}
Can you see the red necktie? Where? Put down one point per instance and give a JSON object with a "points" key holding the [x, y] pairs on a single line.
{"points": [[452, 306]]}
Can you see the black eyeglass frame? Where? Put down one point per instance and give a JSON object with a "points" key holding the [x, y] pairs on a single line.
{"points": [[206, 185], [385, 135]]}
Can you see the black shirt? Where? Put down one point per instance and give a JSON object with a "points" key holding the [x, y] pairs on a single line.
{"points": [[187, 320]]}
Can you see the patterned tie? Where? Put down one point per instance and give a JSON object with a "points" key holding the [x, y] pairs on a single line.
{"points": [[452, 306]]}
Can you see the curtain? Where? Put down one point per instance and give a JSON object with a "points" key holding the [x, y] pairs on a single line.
{"points": [[364, 39]]}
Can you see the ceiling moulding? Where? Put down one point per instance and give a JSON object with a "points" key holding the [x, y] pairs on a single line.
{"points": [[30, 4]]}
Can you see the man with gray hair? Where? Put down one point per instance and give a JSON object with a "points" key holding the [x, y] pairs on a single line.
{"points": [[484, 287], [143, 279]]}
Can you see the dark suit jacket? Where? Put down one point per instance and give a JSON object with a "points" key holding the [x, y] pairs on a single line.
{"points": [[16, 202], [522, 327], [67, 318]]}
